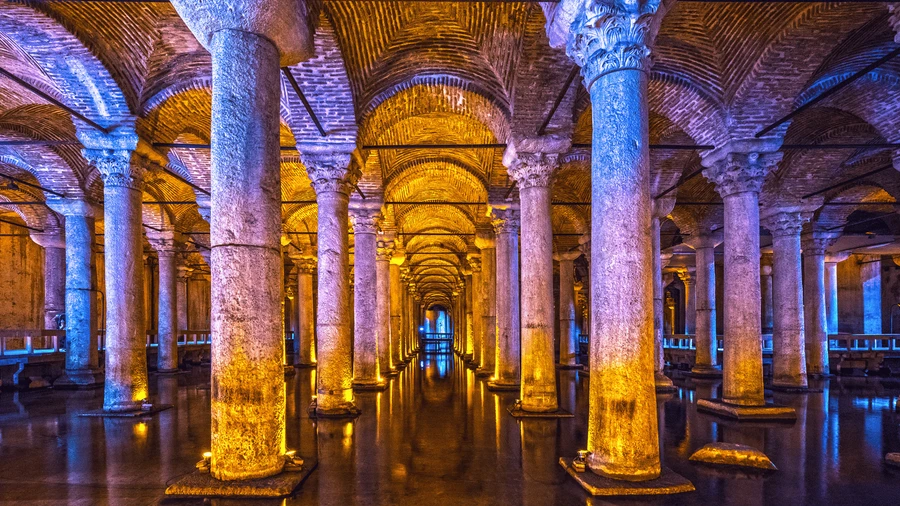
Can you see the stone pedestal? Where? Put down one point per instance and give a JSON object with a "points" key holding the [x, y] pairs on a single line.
{"points": [[506, 226], [332, 178], [788, 336], [167, 328], [532, 163], [568, 331], [484, 241], [82, 368], [365, 216], [126, 340]]}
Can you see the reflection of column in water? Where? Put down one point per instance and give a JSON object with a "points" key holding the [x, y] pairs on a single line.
{"points": [[126, 443], [702, 428], [567, 399], [306, 387], [788, 444], [167, 391], [335, 438], [85, 451], [746, 491], [365, 451], [539, 460], [816, 419]]}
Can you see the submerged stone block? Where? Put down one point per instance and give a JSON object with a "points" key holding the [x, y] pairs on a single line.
{"points": [[732, 454], [768, 412], [202, 484], [669, 482]]}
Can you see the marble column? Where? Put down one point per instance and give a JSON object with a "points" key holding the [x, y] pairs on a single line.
{"points": [[870, 275], [474, 260], [167, 326], [126, 339], [365, 216], [506, 227], [532, 163], [688, 277], [396, 307], [383, 320], [788, 333], [765, 286], [484, 241], [738, 169], [333, 178], [568, 332], [611, 44], [661, 209], [705, 340], [305, 341], [814, 313], [831, 289], [53, 241], [181, 296], [82, 368]]}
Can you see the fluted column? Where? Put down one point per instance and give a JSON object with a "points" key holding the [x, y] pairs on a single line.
{"points": [[383, 321], [365, 216], [484, 241], [332, 178], [706, 361], [126, 340], [305, 340], [765, 286], [661, 209], [738, 170], [532, 163], [82, 369], [506, 226], [167, 327], [788, 333], [611, 44], [53, 241], [474, 259], [814, 313], [568, 332], [870, 276], [690, 307]]}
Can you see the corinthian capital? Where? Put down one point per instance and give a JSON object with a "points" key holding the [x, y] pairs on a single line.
{"points": [[894, 9], [505, 218], [365, 216], [741, 165], [609, 36], [330, 170], [117, 167], [384, 251], [785, 223]]}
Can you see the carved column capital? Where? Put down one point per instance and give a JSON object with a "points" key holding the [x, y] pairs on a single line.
{"points": [[484, 237], [815, 243], [606, 37], [330, 171], [505, 219], [474, 262], [530, 169], [384, 251], [117, 168], [50, 238], [784, 223], [365, 219], [165, 241], [741, 166]]}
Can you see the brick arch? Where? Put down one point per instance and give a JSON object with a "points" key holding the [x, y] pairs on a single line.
{"points": [[443, 178], [301, 217], [79, 78], [836, 216], [39, 217], [695, 112]]}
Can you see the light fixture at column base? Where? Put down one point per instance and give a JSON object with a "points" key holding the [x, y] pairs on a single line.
{"points": [[521, 413], [134, 413], [495, 386], [766, 413], [669, 482], [202, 484], [80, 380], [377, 386], [710, 372]]}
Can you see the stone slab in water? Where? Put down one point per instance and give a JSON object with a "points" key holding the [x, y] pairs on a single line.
{"points": [[669, 482]]}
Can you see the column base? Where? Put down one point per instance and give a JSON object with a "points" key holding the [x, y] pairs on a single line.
{"points": [[289, 370], [706, 371], [399, 366], [349, 411], [669, 482], [767, 413], [169, 371], [733, 455], [664, 384], [202, 484], [80, 380], [482, 372], [376, 386], [569, 366], [391, 373], [304, 365], [498, 386], [518, 412], [133, 413]]}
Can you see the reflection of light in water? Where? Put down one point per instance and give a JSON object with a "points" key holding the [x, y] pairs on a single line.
{"points": [[443, 368], [140, 430], [347, 440]]}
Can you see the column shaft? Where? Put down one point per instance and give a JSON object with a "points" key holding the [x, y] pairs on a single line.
{"points": [[831, 296], [470, 324], [506, 373], [365, 299], [568, 332], [54, 285], [383, 305], [707, 357], [167, 327], [397, 311], [870, 274], [814, 311], [489, 308], [306, 336], [789, 349], [477, 308], [690, 307]]}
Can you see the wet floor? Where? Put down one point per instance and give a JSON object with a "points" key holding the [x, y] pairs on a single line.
{"points": [[438, 436]]}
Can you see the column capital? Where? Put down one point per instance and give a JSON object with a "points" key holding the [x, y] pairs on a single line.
{"points": [[365, 216], [784, 222], [184, 273], [330, 169], [74, 207], [741, 165], [474, 260], [688, 276], [304, 264], [567, 256], [611, 36], [710, 240], [894, 9], [384, 251], [484, 237], [399, 255], [115, 156], [837, 257], [663, 207], [584, 246], [164, 241], [50, 238], [505, 218], [532, 162], [815, 243]]}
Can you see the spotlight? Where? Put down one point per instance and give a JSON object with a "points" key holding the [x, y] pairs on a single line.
{"points": [[203, 465], [579, 463], [292, 462]]}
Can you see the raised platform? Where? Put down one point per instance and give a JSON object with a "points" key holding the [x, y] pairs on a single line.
{"points": [[202, 484], [521, 413], [314, 412], [769, 413], [137, 413], [669, 482]]}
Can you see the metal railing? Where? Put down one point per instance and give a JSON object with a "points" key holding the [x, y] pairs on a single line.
{"points": [[434, 342], [836, 342]]}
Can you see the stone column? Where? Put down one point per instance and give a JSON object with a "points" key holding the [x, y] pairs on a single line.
{"points": [[532, 163], [765, 285], [568, 332], [831, 289], [705, 340], [661, 209], [305, 341], [365, 216], [788, 336], [814, 314], [397, 298], [82, 358], [484, 241], [332, 178], [167, 327], [611, 44], [690, 306], [506, 226], [870, 275], [477, 309], [181, 296], [291, 306], [384, 319], [54, 243], [469, 338], [126, 339], [738, 169]]}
